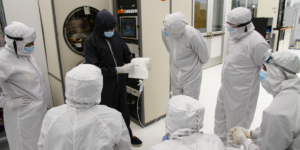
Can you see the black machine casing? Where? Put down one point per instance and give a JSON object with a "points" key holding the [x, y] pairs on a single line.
{"points": [[131, 83], [261, 26]]}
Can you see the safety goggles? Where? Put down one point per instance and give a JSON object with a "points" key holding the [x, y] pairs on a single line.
{"points": [[112, 30], [29, 44], [229, 25], [269, 59], [237, 26]]}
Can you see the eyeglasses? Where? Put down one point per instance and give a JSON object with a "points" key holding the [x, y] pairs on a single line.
{"points": [[29, 44], [227, 25]]}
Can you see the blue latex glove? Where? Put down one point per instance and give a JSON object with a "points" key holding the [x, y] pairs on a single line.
{"points": [[164, 138]]}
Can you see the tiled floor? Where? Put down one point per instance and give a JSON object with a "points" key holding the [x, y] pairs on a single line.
{"points": [[211, 83]]}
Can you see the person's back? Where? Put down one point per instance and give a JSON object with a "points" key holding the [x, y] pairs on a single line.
{"points": [[98, 127], [184, 120], [82, 123]]}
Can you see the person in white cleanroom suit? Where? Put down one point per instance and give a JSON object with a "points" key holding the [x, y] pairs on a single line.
{"points": [[280, 127], [238, 94], [25, 95], [188, 52], [82, 123], [184, 120]]}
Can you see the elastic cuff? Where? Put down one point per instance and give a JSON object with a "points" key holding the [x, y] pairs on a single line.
{"points": [[255, 134], [249, 134], [118, 70], [8, 105]]}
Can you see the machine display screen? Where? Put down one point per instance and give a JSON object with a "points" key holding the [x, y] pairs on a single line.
{"points": [[128, 27]]}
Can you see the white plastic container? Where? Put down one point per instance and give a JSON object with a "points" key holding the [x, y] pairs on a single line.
{"points": [[141, 71]]}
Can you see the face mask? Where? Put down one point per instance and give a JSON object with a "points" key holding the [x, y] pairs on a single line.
{"points": [[264, 82], [165, 32], [267, 86], [231, 29], [262, 75], [109, 34], [239, 33], [29, 49], [232, 32]]}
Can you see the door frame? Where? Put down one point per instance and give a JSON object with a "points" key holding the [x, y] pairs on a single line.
{"points": [[209, 35]]}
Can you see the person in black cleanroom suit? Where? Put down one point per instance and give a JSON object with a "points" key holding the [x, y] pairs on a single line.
{"points": [[114, 63]]}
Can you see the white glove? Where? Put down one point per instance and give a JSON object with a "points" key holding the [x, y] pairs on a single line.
{"points": [[238, 137], [247, 132], [17, 102], [149, 66], [127, 68]]}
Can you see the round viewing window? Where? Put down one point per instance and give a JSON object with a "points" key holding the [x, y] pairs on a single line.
{"points": [[78, 25]]}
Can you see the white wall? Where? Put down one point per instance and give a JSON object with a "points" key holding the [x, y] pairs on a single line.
{"points": [[27, 12], [294, 2]]}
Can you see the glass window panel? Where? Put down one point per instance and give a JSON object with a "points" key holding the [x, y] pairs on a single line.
{"points": [[200, 15], [218, 15], [238, 3], [252, 5]]}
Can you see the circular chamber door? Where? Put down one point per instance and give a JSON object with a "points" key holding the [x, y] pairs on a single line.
{"points": [[78, 25], [81, 62]]}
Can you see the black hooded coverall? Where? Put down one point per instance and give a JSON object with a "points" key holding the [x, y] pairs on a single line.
{"points": [[98, 53]]}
